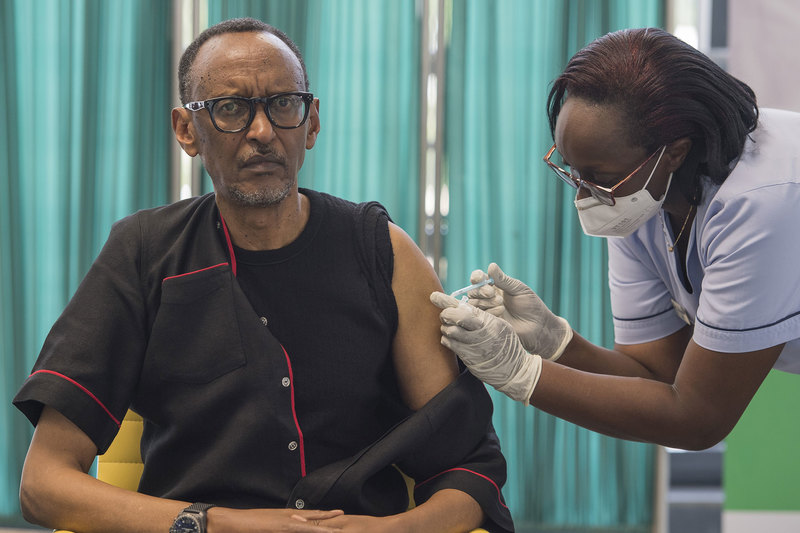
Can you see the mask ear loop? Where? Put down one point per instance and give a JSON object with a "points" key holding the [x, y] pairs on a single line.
{"points": [[655, 167], [669, 182]]}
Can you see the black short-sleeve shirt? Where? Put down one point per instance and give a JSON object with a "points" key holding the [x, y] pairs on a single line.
{"points": [[246, 386]]}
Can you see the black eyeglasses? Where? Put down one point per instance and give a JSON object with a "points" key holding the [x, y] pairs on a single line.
{"points": [[232, 114]]}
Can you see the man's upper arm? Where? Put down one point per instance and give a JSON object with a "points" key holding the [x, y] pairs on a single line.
{"points": [[58, 440], [423, 365]]}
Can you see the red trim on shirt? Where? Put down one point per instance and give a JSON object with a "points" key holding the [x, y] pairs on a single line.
{"points": [[471, 472], [230, 245], [294, 415], [192, 272], [84, 389]]}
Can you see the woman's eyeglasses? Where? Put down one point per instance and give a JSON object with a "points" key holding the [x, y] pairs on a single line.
{"points": [[601, 193]]}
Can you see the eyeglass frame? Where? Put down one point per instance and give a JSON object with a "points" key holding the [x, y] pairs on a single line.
{"points": [[593, 188], [208, 105]]}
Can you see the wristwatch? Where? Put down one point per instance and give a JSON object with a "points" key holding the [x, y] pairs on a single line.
{"points": [[192, 519]]}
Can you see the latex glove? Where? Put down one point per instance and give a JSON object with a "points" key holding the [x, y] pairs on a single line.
{"points": [[540, 330], [488, 347]]}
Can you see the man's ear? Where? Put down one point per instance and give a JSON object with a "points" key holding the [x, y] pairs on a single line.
{"points": [[184, 130], [676, 153], [313, 125]]}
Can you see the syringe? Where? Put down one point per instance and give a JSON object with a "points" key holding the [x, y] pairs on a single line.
{"points": [[465, 290]]}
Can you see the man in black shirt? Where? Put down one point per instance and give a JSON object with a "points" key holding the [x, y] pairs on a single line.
{"points": [[277, 342]]}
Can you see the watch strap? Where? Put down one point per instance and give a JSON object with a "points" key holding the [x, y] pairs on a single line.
{"points": [[198, 507]]}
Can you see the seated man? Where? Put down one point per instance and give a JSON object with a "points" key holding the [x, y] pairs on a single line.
{"points": [[277, 342]]}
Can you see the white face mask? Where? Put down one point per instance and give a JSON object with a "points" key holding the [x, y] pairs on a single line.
{"points": [[626, 215]]}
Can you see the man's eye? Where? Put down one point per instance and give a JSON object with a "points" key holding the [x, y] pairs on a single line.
{"points": [[229, 107], [285, 103]]}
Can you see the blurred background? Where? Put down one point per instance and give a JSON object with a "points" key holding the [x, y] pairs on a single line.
{"points": [[436, 108]]}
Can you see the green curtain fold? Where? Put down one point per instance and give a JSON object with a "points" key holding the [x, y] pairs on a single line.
{"points": [[84, 141], [506, 206]]}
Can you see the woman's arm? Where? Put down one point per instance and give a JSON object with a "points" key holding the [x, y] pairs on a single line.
{"points": [[686, 396], [662, 393], [657, 360], [708, 396]]}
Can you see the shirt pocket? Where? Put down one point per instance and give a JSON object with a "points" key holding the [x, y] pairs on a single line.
{"points": [[195, 336]]}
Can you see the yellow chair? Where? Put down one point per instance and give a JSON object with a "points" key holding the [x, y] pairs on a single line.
{"points": [[122, 465]]}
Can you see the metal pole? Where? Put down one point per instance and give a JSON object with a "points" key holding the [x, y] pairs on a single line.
{"points": [[431, 144], [190, 17]]}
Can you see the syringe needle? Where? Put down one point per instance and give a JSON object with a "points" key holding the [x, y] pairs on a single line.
{"points": [[465, 290]]}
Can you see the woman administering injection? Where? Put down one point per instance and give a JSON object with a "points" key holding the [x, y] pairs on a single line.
{"points": [[697, 193]]}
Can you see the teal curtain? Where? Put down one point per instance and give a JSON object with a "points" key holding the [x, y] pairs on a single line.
{"points": [[505, 206], [363, 64], [84, 140]]}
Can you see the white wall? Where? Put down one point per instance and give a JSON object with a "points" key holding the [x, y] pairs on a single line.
{"points": [[764, 49]]}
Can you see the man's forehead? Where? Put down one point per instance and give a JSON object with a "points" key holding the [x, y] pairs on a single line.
{"points": [[225, 55], [245, 45]]}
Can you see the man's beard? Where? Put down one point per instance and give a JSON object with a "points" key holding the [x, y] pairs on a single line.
{"points": [[264, 197]]}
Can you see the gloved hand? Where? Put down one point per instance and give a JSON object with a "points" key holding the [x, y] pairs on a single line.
{"points": [[540, 331], [489, 347]]}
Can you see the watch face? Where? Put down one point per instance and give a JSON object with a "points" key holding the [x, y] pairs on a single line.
{"points": [[185, 524]]}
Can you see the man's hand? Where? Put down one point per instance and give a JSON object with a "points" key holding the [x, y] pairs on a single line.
{"points": [[365, 524], [540, 331], [223, 520], [489, 347]]}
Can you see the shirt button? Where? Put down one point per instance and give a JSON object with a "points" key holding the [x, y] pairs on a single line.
{"points": [[299, 503], [293, 445], [286, 382], [264, 320]]}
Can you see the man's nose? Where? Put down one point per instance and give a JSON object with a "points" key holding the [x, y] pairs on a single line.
{"points": [[261, 128]]}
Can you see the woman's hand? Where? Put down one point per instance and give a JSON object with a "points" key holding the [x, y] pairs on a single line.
{"points": [[540, 331], [489, 347]]}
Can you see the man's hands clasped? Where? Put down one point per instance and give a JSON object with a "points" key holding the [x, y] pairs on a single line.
{"points": [[300, 521]]}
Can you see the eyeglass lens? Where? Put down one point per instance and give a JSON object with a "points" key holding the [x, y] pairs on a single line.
{"points": [[601, 195], [235, 113], [573, 179]]}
